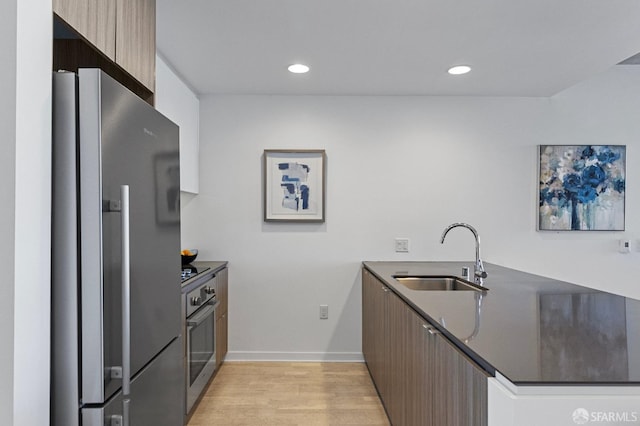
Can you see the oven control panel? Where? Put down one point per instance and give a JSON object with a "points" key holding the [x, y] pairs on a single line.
{"points": [[201, 295]]}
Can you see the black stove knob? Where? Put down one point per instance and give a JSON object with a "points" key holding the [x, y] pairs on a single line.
{"points": [[196, 300]]}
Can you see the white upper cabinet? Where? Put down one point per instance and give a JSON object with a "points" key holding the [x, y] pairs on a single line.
{"points": [[175, 100]]}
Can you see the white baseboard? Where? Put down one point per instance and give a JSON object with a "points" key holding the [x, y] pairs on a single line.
{"points": [[294, 356]]}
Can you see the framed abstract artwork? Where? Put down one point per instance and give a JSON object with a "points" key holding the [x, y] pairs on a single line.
{"points": [[582, 187], [294, 185]]}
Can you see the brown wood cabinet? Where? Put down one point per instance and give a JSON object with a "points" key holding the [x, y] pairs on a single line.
{"points": [[222, 294], [118, 36], [136, 39], [459, 387], [422, 378], [420, 345], [92, 19], [375, 333], [399, 353]]}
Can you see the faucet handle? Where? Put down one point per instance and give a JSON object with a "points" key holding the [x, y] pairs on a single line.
{"points": [[480, 274]]}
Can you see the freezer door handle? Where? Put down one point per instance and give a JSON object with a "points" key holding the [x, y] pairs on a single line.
{"points": [[126, 305]]}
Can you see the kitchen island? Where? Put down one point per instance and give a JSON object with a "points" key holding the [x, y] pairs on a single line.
{"points": [[540, 350]]}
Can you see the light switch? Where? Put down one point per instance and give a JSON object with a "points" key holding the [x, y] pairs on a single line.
{"points": [[402, 245], [324, 311]]}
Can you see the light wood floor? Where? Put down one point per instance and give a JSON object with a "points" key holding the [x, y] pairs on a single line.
{"points": [[290, 393]]}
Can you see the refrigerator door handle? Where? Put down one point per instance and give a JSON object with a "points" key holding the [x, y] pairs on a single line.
{"points": [[126, 305]]}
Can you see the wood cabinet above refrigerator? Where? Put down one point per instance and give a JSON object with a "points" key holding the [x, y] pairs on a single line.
{"points": [[136, 39], [92, 19], [118, 36]]}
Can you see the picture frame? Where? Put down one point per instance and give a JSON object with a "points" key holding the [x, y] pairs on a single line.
{"points": [[581, 187], [294, 185]]}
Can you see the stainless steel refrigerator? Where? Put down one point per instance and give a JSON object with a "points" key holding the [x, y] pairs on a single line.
{"points": [[117, 354]]}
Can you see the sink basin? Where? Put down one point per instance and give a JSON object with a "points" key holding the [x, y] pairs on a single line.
{"points": [[437, 283]]}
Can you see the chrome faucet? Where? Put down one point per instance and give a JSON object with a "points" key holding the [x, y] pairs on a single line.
{"points": [[478, 269]]}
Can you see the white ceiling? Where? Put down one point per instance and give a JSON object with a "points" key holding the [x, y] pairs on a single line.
{"points": [[395, 47]]}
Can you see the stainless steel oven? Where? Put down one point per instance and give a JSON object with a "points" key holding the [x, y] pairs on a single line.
{"points": [[201, 304]]}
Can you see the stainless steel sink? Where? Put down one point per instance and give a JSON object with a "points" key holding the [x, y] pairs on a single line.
{"points": [[437, 283]]}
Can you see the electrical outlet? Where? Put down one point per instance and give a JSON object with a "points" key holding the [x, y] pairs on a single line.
{"points": [[324, 311], [624, 246], [402, 245]]}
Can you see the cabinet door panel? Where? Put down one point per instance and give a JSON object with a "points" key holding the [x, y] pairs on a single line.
{"points": [[374, 326], [95, 20], [460, 393], [136, 39], [222, 322], [367, 317], [222, 279], [221, 338], [399, 345], [420, 373]]}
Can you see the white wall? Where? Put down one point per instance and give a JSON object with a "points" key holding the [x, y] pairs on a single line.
{"points": [[176, 101], [397, 167], [602, 110], [25, 128]]}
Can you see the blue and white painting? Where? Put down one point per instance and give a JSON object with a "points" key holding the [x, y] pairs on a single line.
{"points": [[295, 190], [582, 187], [294, 185]]}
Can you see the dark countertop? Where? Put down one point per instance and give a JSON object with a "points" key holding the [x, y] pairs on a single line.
{"points": [[214, 267], [533, 330]]}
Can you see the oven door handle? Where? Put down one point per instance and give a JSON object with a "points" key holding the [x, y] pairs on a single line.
{"points": [[202, 315]]}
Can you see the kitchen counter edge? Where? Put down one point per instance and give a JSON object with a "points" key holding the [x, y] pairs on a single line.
{"points": [[215, 267]]}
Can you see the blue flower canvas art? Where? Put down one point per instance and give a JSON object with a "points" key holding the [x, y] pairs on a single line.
{"points": [[582, 188]]}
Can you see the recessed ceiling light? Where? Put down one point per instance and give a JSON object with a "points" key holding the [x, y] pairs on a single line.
{"points": [[459, 69], [298, 68]]}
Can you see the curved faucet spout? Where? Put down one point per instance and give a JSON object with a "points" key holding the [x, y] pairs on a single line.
{"points": [[463, 225], [479, 272]]}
